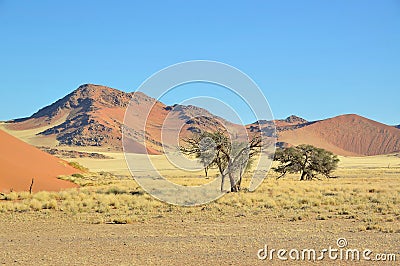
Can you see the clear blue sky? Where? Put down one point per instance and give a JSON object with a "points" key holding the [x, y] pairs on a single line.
{"points": [[315, 59]]}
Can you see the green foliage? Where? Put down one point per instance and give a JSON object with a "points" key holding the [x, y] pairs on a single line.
{"points": [[215, 149], [207, 147], [78, 175], [78, 166], [307, 160]]}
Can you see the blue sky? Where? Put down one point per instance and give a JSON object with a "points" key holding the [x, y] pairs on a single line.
{"points": [[315, 59]]}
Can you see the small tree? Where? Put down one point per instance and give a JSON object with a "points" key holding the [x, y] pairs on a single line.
{"points": [[207, 153], [307, 160], [214, 149]]}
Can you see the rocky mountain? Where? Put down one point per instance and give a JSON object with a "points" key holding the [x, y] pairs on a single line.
{"points": [[271, 128], [293, 120], [93, 116], [89, 116]]}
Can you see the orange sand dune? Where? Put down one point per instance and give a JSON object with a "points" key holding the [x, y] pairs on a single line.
{"points": [[20, 162], [347, 135]]}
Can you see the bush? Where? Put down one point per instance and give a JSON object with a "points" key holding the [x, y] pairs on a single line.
{"points": [[78, 166], [11, 196]]}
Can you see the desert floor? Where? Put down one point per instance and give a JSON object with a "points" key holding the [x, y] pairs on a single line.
{"points": [[48, 239], [109, 220]]}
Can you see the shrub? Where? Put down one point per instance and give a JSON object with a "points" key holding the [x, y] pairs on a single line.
{"points": [[78, 166]]}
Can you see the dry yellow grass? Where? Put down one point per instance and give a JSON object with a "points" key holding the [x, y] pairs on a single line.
{"points": [[368, 196]]}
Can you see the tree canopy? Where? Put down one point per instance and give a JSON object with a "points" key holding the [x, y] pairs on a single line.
{"points": [[215, 149], [307, 160]]}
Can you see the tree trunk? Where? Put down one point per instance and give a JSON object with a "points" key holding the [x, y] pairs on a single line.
{"points": [[233, 183], [222, 182], [31, 186], [206, 171], [303, 175], [304, 172], [239, 183]]}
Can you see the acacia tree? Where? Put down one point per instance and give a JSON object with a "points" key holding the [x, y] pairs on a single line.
{"points": [[307, 160], [206, 155], [214, 149], [244, 161]]}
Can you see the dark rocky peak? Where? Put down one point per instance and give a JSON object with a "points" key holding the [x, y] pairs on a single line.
{"points": [[295, 120]]}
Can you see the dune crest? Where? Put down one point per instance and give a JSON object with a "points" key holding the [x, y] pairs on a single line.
{"points": [[346, 135]]}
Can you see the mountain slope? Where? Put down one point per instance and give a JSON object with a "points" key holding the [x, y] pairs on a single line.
{"points": [[20, 162], [346, 135], [90, 116], [93, 115]]}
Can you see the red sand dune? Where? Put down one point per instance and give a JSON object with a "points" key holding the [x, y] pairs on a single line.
{"points": [[347, 135], [20, 162]]}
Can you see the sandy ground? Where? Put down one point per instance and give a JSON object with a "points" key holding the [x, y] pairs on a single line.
{"points": [[118, 165], [53, 239]]}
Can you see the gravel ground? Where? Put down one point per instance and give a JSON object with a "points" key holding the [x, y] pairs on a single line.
{"points": [[43, 239]]}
